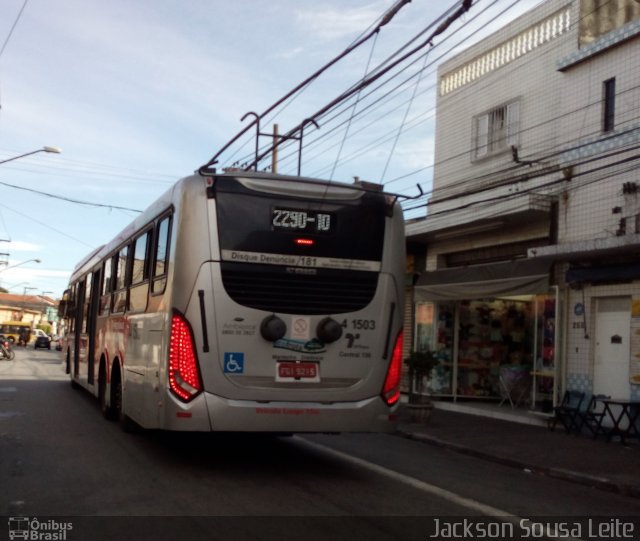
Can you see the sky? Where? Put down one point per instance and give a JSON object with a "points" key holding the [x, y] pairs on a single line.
{"points": [[140, 94]]}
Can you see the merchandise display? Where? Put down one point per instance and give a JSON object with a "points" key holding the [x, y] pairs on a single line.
{"points": [[492, 348]]}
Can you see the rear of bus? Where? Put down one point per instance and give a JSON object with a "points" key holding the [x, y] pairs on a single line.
{"points": [[296, 320]]}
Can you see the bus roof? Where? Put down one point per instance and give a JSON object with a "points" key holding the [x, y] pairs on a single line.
{"points": [[171, 196]]}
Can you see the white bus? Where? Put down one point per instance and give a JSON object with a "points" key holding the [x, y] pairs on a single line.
{"points": [[245, 302]]}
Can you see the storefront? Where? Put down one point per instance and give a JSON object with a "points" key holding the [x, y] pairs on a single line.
{"points": [[494, 331]]}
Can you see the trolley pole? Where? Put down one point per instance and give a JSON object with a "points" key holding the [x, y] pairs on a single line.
{"points": [[274, 154]]}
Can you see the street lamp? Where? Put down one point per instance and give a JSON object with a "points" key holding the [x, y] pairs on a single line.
{"points": [[22, 263], [51, 150]]}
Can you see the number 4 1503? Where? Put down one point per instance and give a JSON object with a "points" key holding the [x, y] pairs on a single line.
{"points": [[359, 324]]}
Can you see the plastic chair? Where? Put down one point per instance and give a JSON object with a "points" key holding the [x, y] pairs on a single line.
{"points": [[591, 418], [568, 412], [515, 384], [505, 392]]}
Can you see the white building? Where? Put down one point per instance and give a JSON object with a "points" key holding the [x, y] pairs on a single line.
{"points": [[529, 272]]}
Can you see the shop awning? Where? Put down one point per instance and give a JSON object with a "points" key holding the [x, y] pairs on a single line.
{"points": [[522, 277]]}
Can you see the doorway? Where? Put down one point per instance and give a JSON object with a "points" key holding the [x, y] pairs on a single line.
{"points": [[613, 347]]}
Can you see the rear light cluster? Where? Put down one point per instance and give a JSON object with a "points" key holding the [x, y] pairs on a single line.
{"points": [[184, 378], [391, 389]]}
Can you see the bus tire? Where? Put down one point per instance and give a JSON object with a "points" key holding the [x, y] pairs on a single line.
{"points": [[106, 409], [74, 384], [123, 419]]}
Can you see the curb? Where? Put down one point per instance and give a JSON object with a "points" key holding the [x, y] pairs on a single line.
{"points": [[600, 483]]}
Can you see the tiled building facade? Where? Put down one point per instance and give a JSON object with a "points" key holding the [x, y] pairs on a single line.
{"points": [[530, 267]]}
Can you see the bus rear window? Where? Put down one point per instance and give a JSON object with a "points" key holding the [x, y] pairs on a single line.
{"points": [[261, 223]]}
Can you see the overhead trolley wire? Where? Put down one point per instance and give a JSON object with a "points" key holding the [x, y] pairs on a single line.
{"points": [[353, 112], [392, 93], [13, 27], [386, 18], [370, 79]]}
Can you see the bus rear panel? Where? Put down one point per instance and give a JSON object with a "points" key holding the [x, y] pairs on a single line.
{"points": [[298, 328], [246, 302]]}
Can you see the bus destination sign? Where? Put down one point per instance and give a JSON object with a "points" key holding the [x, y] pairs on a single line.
{"points": [[303, 221]]}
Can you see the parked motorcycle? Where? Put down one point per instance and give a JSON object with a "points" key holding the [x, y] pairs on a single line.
{"points": [[6, 351]]}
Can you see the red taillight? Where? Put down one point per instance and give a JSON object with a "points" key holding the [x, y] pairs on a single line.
{"points": [[184, 379], [391, 389]]}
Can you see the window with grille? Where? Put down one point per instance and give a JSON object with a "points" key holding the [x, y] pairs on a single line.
{"points": [[496, 130]]}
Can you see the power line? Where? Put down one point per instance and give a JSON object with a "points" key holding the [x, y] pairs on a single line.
{"points": [[68, 199], [384, 20], [393, 92], [451, 187], [445, 20], [46, 225], [572, 185], [13, 27], [382, 140]]}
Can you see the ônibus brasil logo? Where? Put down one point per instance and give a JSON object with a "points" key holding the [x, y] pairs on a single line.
{"points": [[38, 530]]}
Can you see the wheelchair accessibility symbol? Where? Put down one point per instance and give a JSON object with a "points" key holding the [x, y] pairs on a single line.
{"points": [[233, 363]]}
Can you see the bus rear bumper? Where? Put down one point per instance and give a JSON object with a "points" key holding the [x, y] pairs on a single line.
{"points": [[369, 415]]}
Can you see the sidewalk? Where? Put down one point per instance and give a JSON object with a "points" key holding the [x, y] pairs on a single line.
{"points": [[580, 459]]}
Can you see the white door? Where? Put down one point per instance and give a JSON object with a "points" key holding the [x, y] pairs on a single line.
{"points": [[613, 348]]}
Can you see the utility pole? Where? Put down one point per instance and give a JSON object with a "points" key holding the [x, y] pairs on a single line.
{"points": [[4, 254]]}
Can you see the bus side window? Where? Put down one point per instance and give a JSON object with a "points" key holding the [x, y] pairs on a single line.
{"points": [[87, 303], [120, 280], [161, 255], [66, 308], [72, 316], [140, 273], [107, 287], [140, 266]]}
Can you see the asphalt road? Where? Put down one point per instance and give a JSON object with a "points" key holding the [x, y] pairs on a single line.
{"points": [[62, 464]]}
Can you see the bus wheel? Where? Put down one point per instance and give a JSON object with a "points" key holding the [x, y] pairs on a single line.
{"points": [[74, 383], [126, 423], [106, 409]]}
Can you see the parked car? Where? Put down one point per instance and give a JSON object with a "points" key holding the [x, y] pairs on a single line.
{"points": [[42, 342]]}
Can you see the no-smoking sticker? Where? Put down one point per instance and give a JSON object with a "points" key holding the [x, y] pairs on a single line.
{"points": [[300, 327]]}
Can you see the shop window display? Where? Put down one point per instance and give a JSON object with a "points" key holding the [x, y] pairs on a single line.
{"points": [[442, 374], [489, 346], [434, 332], [493, 334]]}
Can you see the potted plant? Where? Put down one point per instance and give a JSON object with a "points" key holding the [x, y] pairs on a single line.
{"points": [[420, 364]]}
